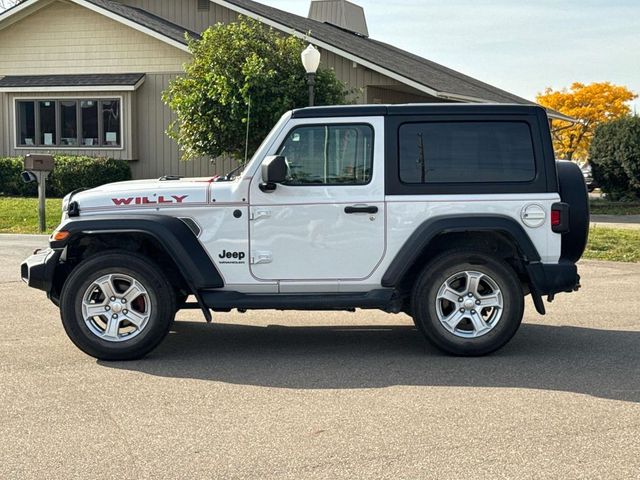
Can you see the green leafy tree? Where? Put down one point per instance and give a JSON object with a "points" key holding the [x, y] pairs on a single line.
{"points": [[615, 158], [235, 65]]}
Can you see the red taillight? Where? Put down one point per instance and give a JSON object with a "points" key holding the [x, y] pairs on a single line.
{"points": [[560, 217]]}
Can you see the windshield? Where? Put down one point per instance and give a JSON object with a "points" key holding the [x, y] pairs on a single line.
{"points": [[261, 152]]}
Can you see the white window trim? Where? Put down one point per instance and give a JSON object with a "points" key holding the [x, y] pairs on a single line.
{"points": [[53, 148]]}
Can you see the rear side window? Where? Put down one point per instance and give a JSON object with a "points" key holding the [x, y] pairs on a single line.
{"points": [[329, 155], [466, 152]]}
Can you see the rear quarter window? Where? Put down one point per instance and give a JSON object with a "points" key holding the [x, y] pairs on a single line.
{"points": [[465, 152]]}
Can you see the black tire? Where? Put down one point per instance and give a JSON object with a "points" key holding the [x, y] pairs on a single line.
{"points": [[448, 265], [160, 295], [573, 191]]}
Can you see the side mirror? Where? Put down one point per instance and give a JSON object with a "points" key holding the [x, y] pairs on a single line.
{"points": [[274, 171]]}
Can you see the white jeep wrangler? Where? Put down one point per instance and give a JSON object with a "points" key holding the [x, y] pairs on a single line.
{"points": [[450, 213]]}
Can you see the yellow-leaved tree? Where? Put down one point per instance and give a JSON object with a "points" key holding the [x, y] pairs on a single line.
{"points": [[591, 105]]}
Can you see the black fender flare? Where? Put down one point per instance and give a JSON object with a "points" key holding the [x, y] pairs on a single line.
{"points": [[427, 231], [171, 233]]}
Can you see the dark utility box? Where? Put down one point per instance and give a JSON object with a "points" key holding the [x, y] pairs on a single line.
{"points": [[38, 163]]}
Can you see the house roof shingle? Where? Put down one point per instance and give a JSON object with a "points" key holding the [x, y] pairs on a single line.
{"points": [[433, 77], [423, 71], [146, 19], [89, 80]]}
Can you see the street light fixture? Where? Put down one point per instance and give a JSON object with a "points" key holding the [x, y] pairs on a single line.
{"points": [[311, 62]]}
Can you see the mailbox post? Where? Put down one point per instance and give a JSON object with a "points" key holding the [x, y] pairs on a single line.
{"points": [[37, 168]]}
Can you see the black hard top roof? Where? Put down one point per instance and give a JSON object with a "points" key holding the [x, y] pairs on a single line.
{"points": [[415, 109]]}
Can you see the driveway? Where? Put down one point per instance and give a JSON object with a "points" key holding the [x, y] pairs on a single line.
{"points": [[325, 395]]}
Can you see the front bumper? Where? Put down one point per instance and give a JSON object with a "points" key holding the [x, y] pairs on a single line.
{"points": [[38, 270], [549, 279]]}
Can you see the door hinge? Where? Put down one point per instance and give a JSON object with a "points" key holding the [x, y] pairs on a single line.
{"points": [[261, 257], [260, 213]]}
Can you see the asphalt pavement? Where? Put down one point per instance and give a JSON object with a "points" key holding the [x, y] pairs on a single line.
{"points": [[271, 395], [616, 221]]}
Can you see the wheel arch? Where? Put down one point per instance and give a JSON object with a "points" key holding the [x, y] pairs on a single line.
{"points": [[443, 233], [167, 240]]}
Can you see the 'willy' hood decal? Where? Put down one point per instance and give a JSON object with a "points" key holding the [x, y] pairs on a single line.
{"points": [[162, 199]]}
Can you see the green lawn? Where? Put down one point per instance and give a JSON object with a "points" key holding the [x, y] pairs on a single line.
{"points": [[615, 244], [605, 207], [20, 215]]}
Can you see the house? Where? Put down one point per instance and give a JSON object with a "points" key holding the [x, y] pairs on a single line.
{"points": [[86, 76]]}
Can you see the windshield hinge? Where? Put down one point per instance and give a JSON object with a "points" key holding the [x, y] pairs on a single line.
{"points": [[261, 257], [257, 213]]}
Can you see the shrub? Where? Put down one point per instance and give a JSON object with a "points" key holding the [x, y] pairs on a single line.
{"points": [[69, 173], [615, 158], [10, 181], [233, 66]]}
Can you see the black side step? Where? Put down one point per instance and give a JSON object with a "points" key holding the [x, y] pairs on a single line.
{"points": [[221, 300]]}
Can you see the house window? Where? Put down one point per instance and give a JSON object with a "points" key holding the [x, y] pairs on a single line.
{"points": [[47, 124], [69, 122], [203, 5], [89, 122], [64, 123], [26, 123], [110, 122]]}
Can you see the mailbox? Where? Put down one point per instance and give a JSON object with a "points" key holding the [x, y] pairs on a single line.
{"points": [[36, 169], [38, 163]]}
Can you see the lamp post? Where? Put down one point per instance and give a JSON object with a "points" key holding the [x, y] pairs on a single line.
{"points": [[311, 62]]}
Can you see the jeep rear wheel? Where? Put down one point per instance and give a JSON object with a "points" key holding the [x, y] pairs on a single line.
{"points": [[468, 303], [117, 306]]}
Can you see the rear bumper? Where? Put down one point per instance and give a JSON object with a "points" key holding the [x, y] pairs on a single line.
{"points": [[38, 270], [549, 279]]}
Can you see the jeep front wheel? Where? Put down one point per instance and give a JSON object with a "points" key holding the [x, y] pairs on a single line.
{"points": [[117, 306], [468, 303]]}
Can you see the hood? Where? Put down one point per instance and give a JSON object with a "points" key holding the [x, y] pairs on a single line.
{"points": [[145, 194]]}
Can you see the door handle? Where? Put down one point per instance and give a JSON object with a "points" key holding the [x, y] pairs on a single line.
{"points": [[362, 209]]}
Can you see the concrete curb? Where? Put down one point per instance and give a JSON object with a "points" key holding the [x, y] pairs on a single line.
{"points": [[17, 237], [617, 219]]}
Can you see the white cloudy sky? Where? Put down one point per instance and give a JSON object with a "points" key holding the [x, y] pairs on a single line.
{"points": [[519, 46]]}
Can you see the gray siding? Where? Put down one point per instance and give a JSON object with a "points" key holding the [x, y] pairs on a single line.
{"points": [[185, 12], [4, 125], [159, 155], [146, 118], [65, 38], [354, 75], [380, 94], [343, 14]]}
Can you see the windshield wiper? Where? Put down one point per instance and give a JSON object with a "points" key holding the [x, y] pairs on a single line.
{"points": [[229, 176]]}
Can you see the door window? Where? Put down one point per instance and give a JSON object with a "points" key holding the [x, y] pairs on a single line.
{"points": [[329, 155]]}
